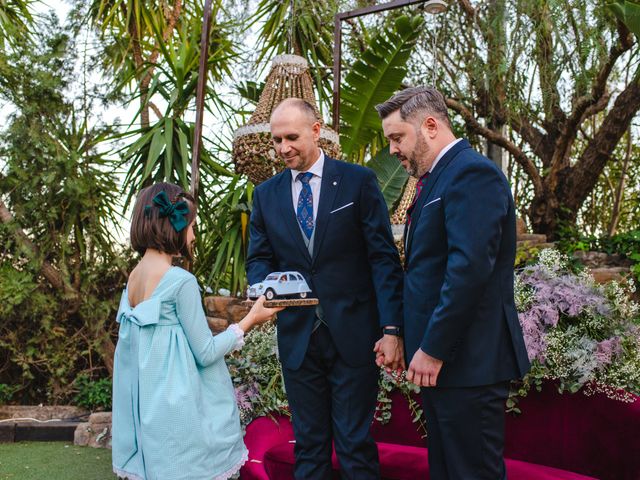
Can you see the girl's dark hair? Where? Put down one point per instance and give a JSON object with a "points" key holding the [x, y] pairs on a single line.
{"points": [[150, 230]]}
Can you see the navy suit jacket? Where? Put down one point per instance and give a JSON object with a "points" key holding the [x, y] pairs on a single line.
{"points": [[354, 271], [458, 286]]}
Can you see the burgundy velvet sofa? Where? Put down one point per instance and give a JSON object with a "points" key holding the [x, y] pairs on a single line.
{"points": [[557, 437]]}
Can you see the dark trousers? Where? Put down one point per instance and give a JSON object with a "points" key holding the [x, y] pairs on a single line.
{"points": [[330, 400], [465, 432]]}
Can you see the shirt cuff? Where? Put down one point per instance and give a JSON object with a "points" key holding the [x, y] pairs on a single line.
{"points": [[239, 333]]}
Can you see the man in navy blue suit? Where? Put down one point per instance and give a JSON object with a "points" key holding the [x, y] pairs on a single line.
{"points": [[328, 220], [462, 333]]}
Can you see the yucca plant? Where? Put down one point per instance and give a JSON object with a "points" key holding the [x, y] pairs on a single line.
{"points": [[163, 150], [224, 237]]}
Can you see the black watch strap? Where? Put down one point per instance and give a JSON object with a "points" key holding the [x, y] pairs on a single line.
{"points": [[392, 330]]}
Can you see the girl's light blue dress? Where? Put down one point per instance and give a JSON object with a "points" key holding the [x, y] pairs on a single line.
{"points": [[174, 410]]}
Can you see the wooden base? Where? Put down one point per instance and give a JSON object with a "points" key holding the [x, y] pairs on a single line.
{"points": [[285, 302]]}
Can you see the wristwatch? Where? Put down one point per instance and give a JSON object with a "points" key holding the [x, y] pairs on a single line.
{"points": [[392, 330]]}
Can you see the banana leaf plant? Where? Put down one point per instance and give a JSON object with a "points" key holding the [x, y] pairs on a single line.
{"points": [[628, 12], [375, 76], [392, 176]]}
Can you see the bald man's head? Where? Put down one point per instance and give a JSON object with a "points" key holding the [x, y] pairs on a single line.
{"points": [[295, 130], [298, 104]]}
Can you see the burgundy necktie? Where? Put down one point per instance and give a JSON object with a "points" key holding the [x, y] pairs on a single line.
{"points": [[421, 183]]}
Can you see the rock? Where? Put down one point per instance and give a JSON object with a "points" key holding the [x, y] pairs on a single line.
{"points": [[96, 432], [217, 325], [605, 275], [521, 227], [217, 306], [237, 312], [81, 435], [100, 417], [532, 238], [601, 259]]}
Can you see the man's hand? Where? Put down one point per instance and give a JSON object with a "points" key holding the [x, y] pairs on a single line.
{"points": [[424, 369], [390, 353]]}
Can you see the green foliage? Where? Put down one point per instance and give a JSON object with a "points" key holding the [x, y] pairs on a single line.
{"points": [[60, 194], [625, 244], [526, 254], [392, 176], [387, 383], [372, 79], [224, 239], [15, 18], [7, 392], [628, 12], [257, 375], [92, 394], [162, 152]]}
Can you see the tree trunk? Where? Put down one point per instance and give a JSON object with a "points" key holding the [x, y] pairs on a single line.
{"points": [[619, 194]]}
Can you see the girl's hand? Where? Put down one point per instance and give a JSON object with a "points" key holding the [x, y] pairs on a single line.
{"points": [[258, 314]]}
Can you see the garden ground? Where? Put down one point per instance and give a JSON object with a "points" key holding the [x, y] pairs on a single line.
{"points": [[53, 461]]}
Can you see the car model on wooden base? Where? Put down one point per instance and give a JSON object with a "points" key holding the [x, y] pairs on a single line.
{"points": [[280, 285]]}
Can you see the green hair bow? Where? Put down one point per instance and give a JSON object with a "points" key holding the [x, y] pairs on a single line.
{"points": [[177, 212]]}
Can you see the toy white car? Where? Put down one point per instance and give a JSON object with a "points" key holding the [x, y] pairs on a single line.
{"points": [[280, 284]]}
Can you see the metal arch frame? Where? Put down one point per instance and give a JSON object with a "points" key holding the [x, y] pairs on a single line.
{"points": [[200, 90], [337, 45], [337, 57]]}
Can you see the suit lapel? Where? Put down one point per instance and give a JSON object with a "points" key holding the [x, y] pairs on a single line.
{"points": [[328, 190], [285, 204], [426, 191]]}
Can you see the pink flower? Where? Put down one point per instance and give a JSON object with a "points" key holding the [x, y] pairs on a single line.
{"points": [[607, 350]]}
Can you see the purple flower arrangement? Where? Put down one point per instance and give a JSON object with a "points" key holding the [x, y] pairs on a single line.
{"points": [[579, 334]]}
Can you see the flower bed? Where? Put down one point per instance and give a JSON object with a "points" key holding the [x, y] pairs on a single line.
{"points": [[580, 335]]}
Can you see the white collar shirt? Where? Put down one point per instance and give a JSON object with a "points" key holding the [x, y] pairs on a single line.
{"points": [[442, 152], [315, 182]]}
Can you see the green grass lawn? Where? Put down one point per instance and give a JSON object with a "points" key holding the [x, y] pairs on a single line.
{"points": [[54, 461]]}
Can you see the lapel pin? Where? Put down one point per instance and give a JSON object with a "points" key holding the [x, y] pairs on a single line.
{"points": [[335, 183]]}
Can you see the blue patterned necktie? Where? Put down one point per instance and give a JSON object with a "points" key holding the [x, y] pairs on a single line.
{"points": [[304, 212]]}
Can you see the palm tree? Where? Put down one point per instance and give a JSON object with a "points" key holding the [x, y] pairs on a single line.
{"points": [[15, 18]]}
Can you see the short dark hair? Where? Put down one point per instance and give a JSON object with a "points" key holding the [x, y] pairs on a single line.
{"points": [[416, 103], [302, 105], [150, 230]]}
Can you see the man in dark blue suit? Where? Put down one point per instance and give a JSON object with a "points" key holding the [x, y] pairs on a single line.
{"points": [[328, 220], [462, 332]]}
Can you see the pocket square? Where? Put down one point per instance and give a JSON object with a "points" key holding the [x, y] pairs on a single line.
{"points": [[340, 208], [433, 201]]}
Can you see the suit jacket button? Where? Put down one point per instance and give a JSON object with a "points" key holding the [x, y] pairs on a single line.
{"points": [[313, 272]]}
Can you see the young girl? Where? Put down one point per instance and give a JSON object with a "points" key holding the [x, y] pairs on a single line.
{"points": [[174, 412]]}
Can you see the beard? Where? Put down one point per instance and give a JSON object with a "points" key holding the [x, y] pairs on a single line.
{"points": [[418, 155]]}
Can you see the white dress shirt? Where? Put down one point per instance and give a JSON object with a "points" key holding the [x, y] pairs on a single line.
{"points": [[442, 152], [315, 182]]}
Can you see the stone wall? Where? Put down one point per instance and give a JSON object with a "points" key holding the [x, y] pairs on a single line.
{"points": [[96, 432], [223, 311]]}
